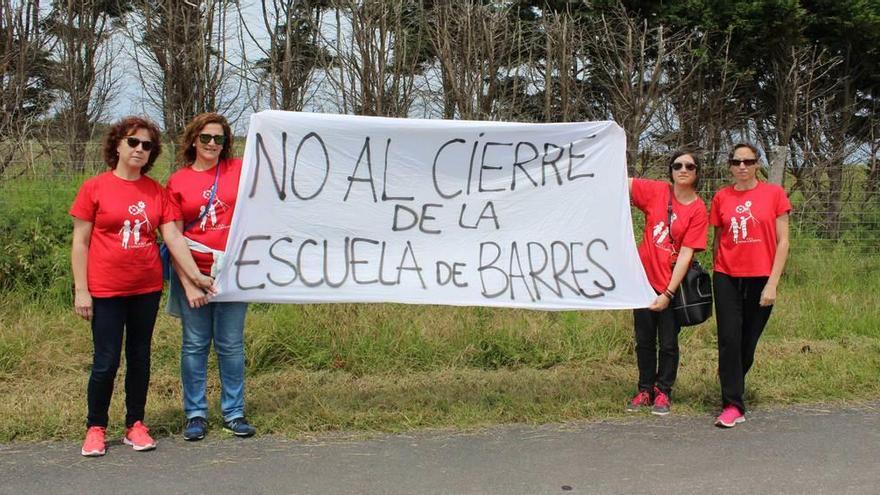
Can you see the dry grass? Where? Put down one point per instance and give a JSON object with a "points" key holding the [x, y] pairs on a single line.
{"points": [[321, 368]]}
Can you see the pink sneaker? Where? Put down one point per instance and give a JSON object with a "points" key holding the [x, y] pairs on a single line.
{"points": [[641, 399], [729, 417], [661, 403], [93, 446], [138, 437]]}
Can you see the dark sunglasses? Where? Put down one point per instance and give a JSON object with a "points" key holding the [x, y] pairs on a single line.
{"points": [[748, 162], [688, 165], [218, 138], [133, 143]]}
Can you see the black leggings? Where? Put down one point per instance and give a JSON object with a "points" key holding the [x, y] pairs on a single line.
{"points": [[741, 320], [133, 316], [656, 369]]}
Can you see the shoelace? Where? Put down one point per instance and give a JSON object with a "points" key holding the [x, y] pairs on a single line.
{"points": [[92, 433], [642, 398], [143, 428], [196, 422], [139, 430]]}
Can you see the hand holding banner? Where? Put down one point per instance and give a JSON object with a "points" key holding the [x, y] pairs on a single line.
{"points": [[335, 208]]}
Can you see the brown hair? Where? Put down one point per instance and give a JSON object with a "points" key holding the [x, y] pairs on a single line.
{"points": [[126, 127], [744, 145], [693, 154], [186, 152]]}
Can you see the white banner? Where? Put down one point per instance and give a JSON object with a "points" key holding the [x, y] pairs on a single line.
{"points": [[336, 208]]}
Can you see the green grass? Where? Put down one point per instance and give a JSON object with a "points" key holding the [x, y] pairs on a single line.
{"points": [[319, 368], [366, 368]]}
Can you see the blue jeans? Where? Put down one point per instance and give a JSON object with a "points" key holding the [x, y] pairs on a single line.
{"points": [[222, 322]]}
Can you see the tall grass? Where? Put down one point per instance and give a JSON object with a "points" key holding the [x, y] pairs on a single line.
{"points": [[314, 368]]}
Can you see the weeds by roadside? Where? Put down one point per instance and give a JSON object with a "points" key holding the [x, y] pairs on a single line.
{"points": [[316, 368]]}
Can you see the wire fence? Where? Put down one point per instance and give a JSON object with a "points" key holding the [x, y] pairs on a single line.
{"points": [[824, 212]]}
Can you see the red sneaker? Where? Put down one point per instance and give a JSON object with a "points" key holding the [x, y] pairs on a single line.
{"points": [[138, 437], [661, 403], [641, 399], [93, 446], [729, 417]]}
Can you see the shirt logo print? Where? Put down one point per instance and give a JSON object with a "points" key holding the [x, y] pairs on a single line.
{"points": [[660, 234], [739, 226], [131, 230], [211, 213]]}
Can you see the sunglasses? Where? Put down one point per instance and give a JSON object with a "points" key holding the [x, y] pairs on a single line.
{"points": [[218, 138], [133, 143], [688, 165], [748, 162]]}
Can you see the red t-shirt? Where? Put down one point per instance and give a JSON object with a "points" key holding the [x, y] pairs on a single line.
{"points": [[689, 228], [747, 220], [123, 255], [189, 191]]}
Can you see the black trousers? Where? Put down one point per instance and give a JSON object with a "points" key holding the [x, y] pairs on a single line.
{"points": [[113, 317], [656, 368], [741, 320]]}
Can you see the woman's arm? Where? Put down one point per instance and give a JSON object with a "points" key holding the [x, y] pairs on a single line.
{"points": [[678, 272], [183, 261], [768, 295], [716, 241], [79, 260], [194, 295]]}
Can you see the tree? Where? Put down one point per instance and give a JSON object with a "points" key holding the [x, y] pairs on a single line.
{"points": [[627, 60], [848, 30], [703, 115], [182, 47], [374, 57], [25, 82], [85, 77], [475, 45], [290, 52]]}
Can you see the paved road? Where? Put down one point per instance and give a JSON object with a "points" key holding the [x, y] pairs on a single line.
{"points": [[834, 450]]}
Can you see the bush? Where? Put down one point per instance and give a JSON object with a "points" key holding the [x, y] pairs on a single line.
{"points": [[36, 232]]}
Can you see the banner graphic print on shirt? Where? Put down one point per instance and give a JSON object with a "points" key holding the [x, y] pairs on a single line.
{"points": [[130, 232], [335, 208]]}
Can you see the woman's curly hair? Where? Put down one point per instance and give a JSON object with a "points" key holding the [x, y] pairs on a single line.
{"points": [[124, 128]]}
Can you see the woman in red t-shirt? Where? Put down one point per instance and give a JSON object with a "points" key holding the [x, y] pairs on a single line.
{"points": [[751, 246], [203, 192], [118, 276], [667, 248]]}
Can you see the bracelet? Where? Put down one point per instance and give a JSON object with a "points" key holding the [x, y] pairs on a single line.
{"points": [[668, 293]]}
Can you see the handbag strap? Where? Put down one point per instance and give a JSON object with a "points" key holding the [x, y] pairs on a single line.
{"points": [[208, 204], [669, 216]]}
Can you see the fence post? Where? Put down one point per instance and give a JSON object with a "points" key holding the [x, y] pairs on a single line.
{"points": [[31, 163], [777, 164]]}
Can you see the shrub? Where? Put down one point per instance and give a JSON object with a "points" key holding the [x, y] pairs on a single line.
{"points": [[36, 232]]}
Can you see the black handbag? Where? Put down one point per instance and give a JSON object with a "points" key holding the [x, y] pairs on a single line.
{"points": [[692, 302]]}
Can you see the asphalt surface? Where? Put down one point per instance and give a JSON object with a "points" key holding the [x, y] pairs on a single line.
{"points": [[815, 450]]}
